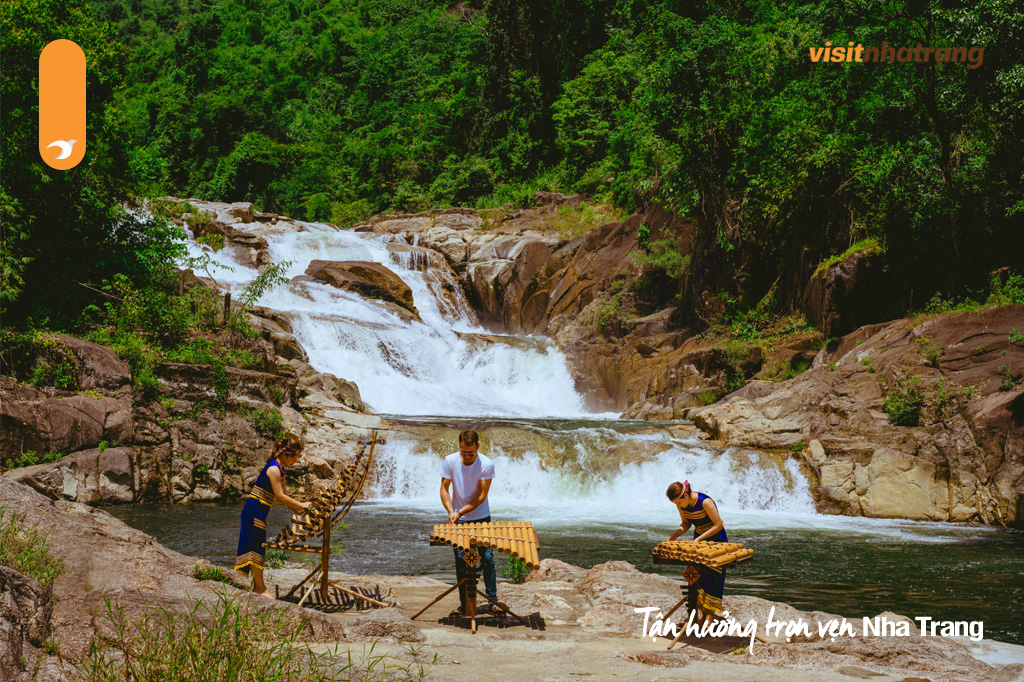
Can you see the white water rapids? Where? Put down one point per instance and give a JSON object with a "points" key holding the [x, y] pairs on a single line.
{"points": [[409, 368]]}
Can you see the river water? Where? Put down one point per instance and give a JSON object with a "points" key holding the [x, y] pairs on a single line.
{"points": [[592, 485]]}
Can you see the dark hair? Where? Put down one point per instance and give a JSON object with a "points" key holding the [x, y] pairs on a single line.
{"points": [[469, 438], [676, 489], [288, 444]]}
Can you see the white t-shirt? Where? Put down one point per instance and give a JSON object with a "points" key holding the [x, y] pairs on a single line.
{"points": [[466, 482]]}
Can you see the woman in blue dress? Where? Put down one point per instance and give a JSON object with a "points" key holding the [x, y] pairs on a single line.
{"points": [[269, 486], [701, 512]]}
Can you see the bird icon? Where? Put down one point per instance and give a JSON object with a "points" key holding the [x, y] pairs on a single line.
{"points": [[65, 147]]}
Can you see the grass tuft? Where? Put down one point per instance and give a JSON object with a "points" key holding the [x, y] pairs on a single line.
{"points": [[26, 549], [222, 640]]}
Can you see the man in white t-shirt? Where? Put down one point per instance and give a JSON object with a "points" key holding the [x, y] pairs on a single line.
{"points": [[469, 475]]}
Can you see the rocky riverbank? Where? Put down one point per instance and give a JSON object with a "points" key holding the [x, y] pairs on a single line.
{"points": [[590, 626]]}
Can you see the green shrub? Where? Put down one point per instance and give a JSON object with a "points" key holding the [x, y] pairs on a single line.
{"points": [[515, 570], [268, 423], [864, 246], [783, 370], [203, 571], [903, 401], [347, 215], [951, 398], [1006, 291], [931, 351], [26, 549], [664, 255], [1016, 337], [707, 397], [275, 558], [215, 240], [31, 458], [1007, 383]]}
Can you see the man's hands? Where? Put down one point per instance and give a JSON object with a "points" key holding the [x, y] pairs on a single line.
{"points": [[454, 515]]}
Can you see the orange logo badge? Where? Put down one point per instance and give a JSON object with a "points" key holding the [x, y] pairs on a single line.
{"points": [[62, 104]]}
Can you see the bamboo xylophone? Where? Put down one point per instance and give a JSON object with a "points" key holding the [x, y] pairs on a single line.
{"points": [[511, 537], [331, 504], [715, 554]]}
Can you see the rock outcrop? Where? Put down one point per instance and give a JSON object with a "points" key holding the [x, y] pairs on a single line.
{"points": [[105, 559], [371, 280], [518, 275], [848, 295], [957, 381]]}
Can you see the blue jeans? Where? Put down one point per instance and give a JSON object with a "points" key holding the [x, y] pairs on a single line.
{"points": [[486, 567]]}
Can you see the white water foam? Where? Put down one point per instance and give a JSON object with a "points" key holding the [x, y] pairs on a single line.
{"points": [[529, 485]]}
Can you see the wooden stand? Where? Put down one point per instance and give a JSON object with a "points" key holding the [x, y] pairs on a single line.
{"points": [[690, 592], [320, 575], [471, 561]]}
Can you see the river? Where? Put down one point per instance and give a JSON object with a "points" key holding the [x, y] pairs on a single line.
{"points": [[592, 484]]}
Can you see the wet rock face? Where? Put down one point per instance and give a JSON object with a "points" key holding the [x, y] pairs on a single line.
{"points": [[962, 460]]}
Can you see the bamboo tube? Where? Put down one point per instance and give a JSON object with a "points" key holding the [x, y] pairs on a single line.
{"points": [[518, 535], [489, 534], [500, 541], [527, 534], [509, 538], [496, 537], [733, 556], [535, 547]]}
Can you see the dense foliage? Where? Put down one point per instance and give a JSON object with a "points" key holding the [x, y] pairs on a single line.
{"points": [[63, 231], [335, 109]]}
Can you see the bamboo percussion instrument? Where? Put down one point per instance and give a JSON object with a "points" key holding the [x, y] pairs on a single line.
{"points": [[330, 504], [714, 554], [516, 538]]}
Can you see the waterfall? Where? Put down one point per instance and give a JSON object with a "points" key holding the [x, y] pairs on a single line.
{"points": [[585, 467], [408, 367]]}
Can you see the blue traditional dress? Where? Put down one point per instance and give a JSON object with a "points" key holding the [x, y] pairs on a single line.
{"points": [[712, 579], [254, 522]]}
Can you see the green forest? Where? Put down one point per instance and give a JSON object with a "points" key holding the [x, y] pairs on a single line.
{"points": [[333, 110]]}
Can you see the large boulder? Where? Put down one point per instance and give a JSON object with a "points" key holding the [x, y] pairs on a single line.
{"points": [[90, 477], [46, 420], [850, 294], [617, 588], [371, 280]]}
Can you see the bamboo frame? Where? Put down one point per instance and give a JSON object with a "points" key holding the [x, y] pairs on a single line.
{"points": [[320, 521]]}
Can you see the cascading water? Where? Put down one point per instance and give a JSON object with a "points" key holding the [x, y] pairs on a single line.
{"points": [[444, 365]]}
